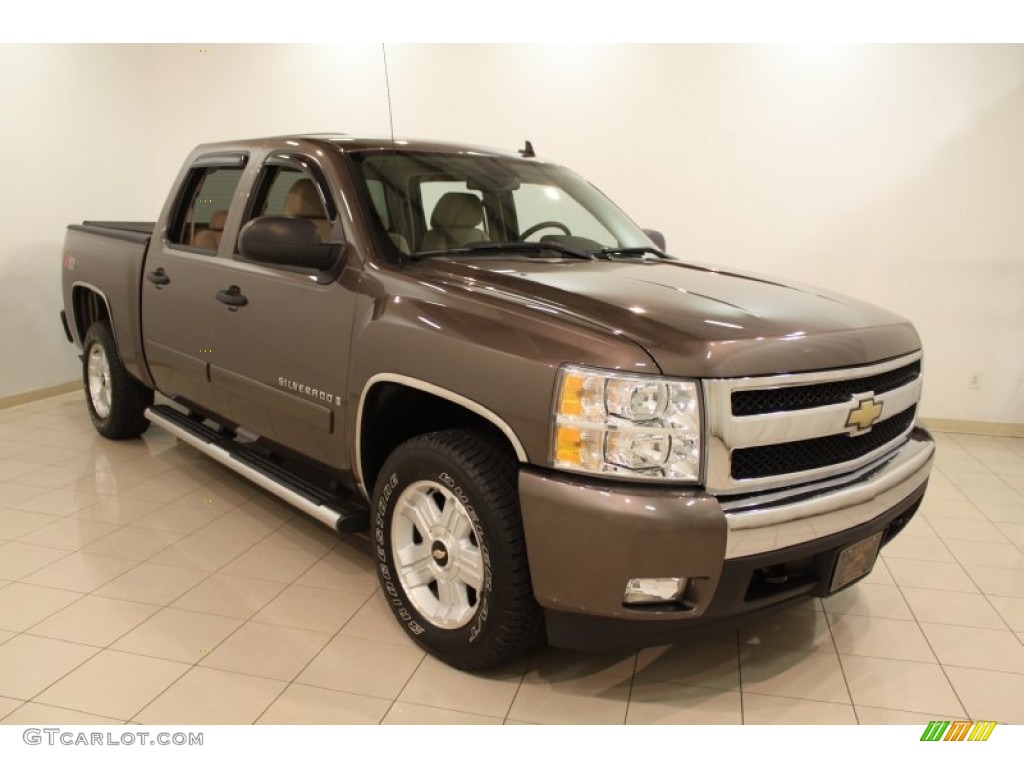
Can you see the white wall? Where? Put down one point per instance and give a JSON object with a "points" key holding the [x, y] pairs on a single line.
{"points": [[244, 91], [74, 144], [895, 174]]}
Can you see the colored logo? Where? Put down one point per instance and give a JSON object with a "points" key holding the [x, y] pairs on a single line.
{"points": [[440, 554], [864, 415], [958, 730]]}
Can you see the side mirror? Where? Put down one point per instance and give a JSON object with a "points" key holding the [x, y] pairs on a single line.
{"points": [[656, 237], [286, 240]]}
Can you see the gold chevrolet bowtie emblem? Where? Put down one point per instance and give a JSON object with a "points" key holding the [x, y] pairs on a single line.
{"points": [[864, 415]]}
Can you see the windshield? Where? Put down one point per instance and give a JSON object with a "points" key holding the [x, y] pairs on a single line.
{"points": [[428, 203]]}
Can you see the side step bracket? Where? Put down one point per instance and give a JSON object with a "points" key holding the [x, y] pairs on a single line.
{"points": [[341, 513]]}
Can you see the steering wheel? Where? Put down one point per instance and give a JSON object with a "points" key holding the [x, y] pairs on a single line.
{"points": [[544, 225]]}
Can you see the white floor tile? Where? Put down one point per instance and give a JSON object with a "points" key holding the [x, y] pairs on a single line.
{"points": [[796, 674], [938, 606], [280, 653], [404, 713], [997, 650], [594, 700], [306, 705], [239, 699], [880, 600], [904, 685], [653, 703], [880, 638], [113, 684], [1011, 609], [928, 575], [490, 693], [759, 709], [141, 581], [988, 695], [362, 666]]}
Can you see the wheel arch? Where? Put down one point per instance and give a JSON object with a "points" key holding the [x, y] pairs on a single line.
{"points": [[394, 407], [89, 305]]}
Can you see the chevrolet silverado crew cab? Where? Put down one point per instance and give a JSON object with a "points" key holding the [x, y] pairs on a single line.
{"points": [[547, 425]]}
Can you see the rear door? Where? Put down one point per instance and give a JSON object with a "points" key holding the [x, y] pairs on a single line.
{"points": [[280, 362], [179, 279]]}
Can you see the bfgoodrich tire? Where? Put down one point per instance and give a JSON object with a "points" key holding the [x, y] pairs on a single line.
{"points": [[116, 401], [449, 548]]}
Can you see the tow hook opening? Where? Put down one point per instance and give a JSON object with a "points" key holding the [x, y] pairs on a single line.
{"points": [[899, 523], [777, 579]]}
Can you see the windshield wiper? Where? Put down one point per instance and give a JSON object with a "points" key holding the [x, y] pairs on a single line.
{"points": [[499, 248], [637, 251]]}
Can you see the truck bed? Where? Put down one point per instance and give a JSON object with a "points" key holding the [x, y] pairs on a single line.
{"points": [[109, 255], [133, 231]]}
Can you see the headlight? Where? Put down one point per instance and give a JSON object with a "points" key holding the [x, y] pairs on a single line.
{"points": [[624, 425]]}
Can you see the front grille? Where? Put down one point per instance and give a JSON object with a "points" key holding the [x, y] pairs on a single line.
{"points": [[752, 402], [803, 455]]}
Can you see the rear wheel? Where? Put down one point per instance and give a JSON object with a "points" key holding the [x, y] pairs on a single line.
{"points": [[451, 558], [117, 402]]}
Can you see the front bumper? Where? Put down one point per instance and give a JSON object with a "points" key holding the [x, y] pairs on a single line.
{"points": [[586, 541]]}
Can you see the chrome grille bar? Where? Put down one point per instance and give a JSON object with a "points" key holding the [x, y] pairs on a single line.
{"points": [[727, 432]]}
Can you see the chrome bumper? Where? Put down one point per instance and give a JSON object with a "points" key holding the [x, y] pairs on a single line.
{"points": [[764, 523]]}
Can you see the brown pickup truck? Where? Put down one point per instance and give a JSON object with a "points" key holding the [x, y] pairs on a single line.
{"points": [[548, 426]]}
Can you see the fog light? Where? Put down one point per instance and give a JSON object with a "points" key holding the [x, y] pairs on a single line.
{"points": [[647, 591]]}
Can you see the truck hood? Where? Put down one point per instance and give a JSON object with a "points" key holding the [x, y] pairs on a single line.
{"points": [[692, 319]]}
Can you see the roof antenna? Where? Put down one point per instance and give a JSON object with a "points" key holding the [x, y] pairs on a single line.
{"points": [[387, 86], [391, 119], [527, 151]]}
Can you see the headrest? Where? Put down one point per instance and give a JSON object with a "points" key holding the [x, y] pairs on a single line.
{"points": [[303, 200], [399, 241], [217, 219], [457, 209]]}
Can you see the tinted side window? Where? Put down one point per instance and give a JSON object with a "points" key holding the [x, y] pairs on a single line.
{"points": [[287, 191], [203, 207]]}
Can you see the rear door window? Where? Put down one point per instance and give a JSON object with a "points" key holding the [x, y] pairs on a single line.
{"points": [[203, 205]]}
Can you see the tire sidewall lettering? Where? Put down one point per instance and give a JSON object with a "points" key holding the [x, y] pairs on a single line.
{"points": [[479, 621]]}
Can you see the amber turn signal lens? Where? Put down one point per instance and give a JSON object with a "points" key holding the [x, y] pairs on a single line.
{"points": [[568, 443], [570, 403]]}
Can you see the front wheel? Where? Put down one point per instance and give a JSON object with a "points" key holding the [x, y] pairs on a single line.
{"points": [[117, 402], [451, 558]]}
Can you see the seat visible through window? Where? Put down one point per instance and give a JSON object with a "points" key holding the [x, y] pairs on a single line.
{"points": [[304, 202], [455, 222], [209, 238]]}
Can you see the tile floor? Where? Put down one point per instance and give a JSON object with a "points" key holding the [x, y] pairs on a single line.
{"points": [[141, 582]]}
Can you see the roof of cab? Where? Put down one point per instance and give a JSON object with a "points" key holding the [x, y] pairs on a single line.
{"points": [[347, 143]]}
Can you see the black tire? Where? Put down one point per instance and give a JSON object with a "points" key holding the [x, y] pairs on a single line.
{"points": [[123, 417], [501, 620]]}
